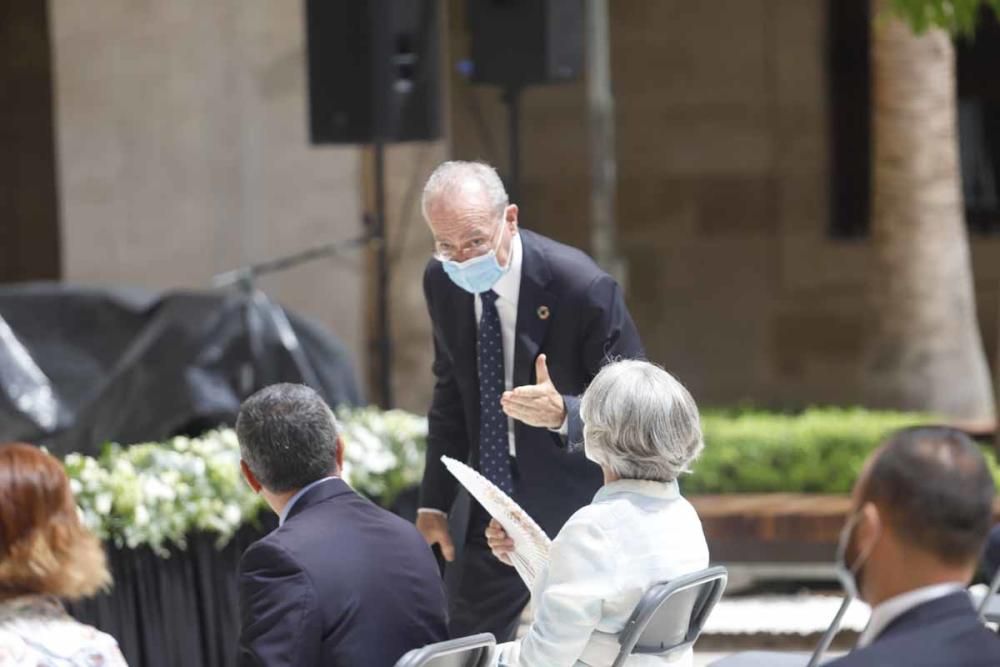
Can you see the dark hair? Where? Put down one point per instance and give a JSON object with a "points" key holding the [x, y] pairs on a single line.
{"points": [[44, 548], [936, 491], [288, 436]]}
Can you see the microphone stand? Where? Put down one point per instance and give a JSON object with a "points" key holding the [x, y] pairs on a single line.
{"points": [[255, 302]]}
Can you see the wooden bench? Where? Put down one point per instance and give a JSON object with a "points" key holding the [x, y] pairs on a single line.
{"points": [[772, 527], [775, 527]]}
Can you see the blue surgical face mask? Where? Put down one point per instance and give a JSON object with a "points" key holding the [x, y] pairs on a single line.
{"points": [[478, 274], [849, 574]]}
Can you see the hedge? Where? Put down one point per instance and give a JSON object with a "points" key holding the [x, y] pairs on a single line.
{"points": [[820, 450]]}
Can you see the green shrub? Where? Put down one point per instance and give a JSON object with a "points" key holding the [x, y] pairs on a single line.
{"points": [[820, 450]]}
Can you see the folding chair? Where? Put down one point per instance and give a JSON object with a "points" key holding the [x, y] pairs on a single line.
{"points": [[472, 651], [989, 608], [670, 616]]}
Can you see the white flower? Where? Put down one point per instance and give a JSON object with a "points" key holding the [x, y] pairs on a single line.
{"points": [[232, 514], [154, 490], [102, 503], [154, 494]]}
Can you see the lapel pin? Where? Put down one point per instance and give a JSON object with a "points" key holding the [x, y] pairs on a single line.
{"points": [[544, 312]]}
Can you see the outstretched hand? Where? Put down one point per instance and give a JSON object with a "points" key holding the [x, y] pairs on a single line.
{"points": [[538, 404]]}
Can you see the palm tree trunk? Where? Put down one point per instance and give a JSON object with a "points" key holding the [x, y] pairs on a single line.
{"points": [[928, 352]]}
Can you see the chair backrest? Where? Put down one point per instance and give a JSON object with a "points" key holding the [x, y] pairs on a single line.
{"points": [[989, 608], [472, 651], [670, 616]]}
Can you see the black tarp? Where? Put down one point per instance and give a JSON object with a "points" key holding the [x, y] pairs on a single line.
{"points": [[83, 366]]}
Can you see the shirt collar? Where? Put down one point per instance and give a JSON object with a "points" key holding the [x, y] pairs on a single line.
{"points": [[887, 612], [32, 604], [301, 492], [509, 285], [643, 487]]}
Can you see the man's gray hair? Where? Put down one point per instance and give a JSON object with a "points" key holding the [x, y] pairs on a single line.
{"points": [[288, 437], [640, 422], [450, 178]]}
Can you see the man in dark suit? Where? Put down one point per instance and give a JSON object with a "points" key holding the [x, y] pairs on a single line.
{"points": [[922, 509], [340, 582], [521, 325]]}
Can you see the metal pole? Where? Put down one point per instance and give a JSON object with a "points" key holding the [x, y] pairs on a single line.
{"points": [[383, 334], [601, 120], [512, 96], [831, 632], [996, 387]]}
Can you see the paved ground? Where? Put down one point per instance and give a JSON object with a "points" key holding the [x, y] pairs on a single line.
{"points": [[706, 659]]}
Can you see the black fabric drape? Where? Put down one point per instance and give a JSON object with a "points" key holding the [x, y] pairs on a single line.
{"points": [[83, 366], [181, 611]]}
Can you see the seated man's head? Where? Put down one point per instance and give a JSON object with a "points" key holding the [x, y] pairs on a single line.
{"points": [[640, 423], [921, 510], [288, 439]]}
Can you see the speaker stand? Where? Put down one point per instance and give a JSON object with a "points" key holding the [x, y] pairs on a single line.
{"points": [[377, 233], [512, 98]]}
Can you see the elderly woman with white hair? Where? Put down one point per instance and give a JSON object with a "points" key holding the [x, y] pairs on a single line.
{"points": [[642, 427]]}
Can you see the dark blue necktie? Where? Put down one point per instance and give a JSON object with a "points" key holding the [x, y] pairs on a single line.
{"points": [[494, 445]]}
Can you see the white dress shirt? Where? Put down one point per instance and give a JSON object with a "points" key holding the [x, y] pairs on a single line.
{"points": [[294, 499], [887, 612], [508, 288], [634, 534]]}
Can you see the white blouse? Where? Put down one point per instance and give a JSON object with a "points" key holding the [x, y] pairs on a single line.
{"points": [[634, 534], [35, 631]]}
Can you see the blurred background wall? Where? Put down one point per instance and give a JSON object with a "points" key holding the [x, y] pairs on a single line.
{"points": [[183, 152], [180, 149], [724, 179]]}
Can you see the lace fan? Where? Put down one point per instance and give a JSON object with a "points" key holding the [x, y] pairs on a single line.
{"points": [[531, 544]]}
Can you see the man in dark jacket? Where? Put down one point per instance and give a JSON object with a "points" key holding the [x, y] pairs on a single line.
{"points": [[341, 582], [922, 509], [521, 325]]}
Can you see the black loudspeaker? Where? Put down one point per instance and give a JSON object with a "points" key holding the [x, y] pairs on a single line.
{"points": [[373, 70], [521, 42]]}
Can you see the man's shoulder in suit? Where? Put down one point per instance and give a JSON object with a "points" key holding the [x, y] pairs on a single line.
{"points": [[941, 632], [338, 568]]}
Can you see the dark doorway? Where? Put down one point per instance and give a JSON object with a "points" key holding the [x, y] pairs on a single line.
{"points": [[848, 58], [29, 201]]}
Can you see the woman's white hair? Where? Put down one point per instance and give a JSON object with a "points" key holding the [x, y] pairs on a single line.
{"points": [[452, 178], [640, 422]]}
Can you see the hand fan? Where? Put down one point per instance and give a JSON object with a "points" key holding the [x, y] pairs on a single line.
{"points": [[531, 544]]}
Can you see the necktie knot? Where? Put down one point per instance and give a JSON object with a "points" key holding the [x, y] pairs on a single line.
{"points": [[489, 296]]}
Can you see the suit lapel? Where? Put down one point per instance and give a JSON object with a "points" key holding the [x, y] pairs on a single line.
{"points": [[534, 308], [463, 314]]}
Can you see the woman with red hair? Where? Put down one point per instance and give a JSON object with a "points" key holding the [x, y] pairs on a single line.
{"points": [[46, 553]]}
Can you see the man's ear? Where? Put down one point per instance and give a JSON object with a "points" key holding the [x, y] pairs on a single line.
{"points": [[510, 216], [250, 477], [340, 455], [870, 526]]}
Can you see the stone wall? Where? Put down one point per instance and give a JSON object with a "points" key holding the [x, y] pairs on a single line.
{"points": [[722, 202], [184, 152]]}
